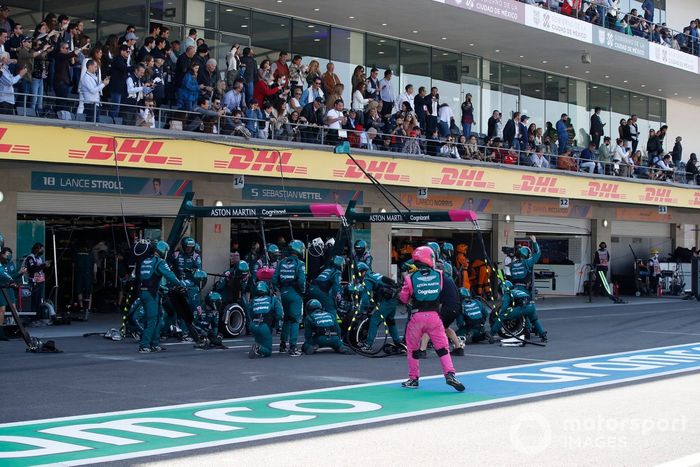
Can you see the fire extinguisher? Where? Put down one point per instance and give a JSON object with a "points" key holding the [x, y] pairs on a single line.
{"points": [[659, 290], [616, 289]]}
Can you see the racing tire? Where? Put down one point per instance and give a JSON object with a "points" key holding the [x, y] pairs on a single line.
{"points": [[233, 320], [515, 327]]}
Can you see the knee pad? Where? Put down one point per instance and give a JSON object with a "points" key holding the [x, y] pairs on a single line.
{"points": [[442, 352], [390, 321], [416, 354]]}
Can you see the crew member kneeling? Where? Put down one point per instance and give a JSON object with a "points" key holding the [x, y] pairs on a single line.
{"points": [[424, 288], [264, 312], [321, 330]]}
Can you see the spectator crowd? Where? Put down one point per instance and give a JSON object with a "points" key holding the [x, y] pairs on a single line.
{"points": [[133, 81], [608, 14]]}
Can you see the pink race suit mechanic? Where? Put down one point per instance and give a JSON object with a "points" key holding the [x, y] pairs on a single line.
{"points": [[423, 289]]}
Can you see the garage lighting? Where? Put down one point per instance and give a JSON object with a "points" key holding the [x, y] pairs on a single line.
{"points": [[2, 196], [605, 222], [218, 203], [382, 210], [507, 218]]}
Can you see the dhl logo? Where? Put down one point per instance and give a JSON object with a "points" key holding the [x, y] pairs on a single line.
{"points": [[603, 190], [104, 148], [696, 199], [381, 170], [260, 161], [12, 148], [539, 184], [657, 195], [469, 178]]}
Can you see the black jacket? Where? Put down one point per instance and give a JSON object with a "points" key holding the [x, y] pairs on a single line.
{"points": [[597, 125], [182, 67], [677, 153], [491, 131], [419, 103], [509, 131], [119, 74], [311, 115], [251, 69]]}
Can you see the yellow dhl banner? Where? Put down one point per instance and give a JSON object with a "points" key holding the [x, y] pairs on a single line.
{"points": [[75, 146]]}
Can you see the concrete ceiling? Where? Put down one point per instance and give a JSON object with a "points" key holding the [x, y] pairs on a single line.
{"points": [[459, 30]]}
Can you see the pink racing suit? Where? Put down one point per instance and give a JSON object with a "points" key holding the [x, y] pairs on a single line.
{"points": [[424, 322]]}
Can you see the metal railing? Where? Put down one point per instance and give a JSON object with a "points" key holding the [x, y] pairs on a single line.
{"points": [[368, 139], [678, 40]]}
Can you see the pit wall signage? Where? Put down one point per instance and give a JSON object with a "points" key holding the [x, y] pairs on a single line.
{"points": [[109, 184], [82, 147], [116, 436]]}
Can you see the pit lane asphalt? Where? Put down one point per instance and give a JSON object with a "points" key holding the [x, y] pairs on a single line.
{"points": [[96, 375]]}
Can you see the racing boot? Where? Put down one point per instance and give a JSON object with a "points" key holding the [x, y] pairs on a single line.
{"points": [[345, 351], [365, 348], [309, 350], [294, 352], [283, 347], [422, 354], [451, 380], [158, 348], [254, 351], [458, 352], [400, 347], [145, 350], [217, 343], [543, 336], [410, 383]]}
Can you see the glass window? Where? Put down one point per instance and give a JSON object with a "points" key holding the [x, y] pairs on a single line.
{"points": [[107, 28], [271, 35], [211, 15], [510, 75], [382, 53], [470, 67], [415, 59], [638, 106], [310, 40], [491, 71], [620, 103], [168, 10], [446, 66], [125, 11], [655, 109], [202, 14], [234, 20], [578, 110], [532, 91], [347, 52], [415, 67], [556, 91]]}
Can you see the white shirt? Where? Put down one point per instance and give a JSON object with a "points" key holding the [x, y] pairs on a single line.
{"points": [[90, 88], [445, 113], [450, 150], [406, 97], [619, 154], [332, 114], [358, 101]]}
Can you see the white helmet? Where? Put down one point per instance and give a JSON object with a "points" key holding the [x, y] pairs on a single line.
{"points": [[330, 242], [317, 242]]}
